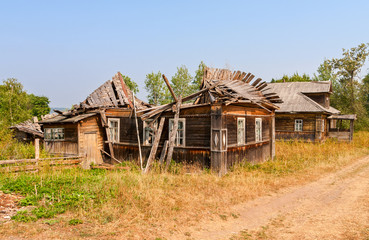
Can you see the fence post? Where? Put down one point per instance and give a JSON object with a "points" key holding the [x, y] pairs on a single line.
{"points": [[37, 149]]}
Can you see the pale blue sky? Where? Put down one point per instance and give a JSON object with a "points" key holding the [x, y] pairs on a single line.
{"points": [[66, 49]]}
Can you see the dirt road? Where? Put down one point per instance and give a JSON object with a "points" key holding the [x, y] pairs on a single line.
{"points": [[334, 207]]}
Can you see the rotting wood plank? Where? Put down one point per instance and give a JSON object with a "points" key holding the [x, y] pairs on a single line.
{"points": [[155, 145], [170, 88], [173, 134], [163, 152], [256, 82], [107, 130], [125, 90], [250, 78]]}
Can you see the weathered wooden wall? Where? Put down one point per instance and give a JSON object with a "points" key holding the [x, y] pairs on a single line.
{"points": [[285, 126], [68, 146]]}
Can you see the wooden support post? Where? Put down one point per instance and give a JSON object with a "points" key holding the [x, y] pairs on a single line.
{"points": [[272, 137], [170, 88], [37, 150], [173, 134], [163, 152], [218, 157], [138, 132], [105, 124], [351, 129], [155, 145]]}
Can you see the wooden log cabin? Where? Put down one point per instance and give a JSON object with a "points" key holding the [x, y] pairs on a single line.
{"points": [[306, 112], [230, 120]]}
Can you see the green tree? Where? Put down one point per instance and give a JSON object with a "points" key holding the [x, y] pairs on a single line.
{"points": [[325, 72], [14, 103], [39, 105], [130, 84], [181, 82], [294, 78], [347, 94], [155, 86], [199, 74]]}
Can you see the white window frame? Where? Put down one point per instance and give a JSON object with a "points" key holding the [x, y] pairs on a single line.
{"points": [[50, 134], [114, 137], [299, 124], [241, 139], [258, 137], [171, 122], [145, 140], [323, 125]]}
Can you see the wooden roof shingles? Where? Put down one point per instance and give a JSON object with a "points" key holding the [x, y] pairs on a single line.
{"points": [[295, 99]]}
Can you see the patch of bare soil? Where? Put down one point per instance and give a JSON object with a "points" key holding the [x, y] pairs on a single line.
{"points": [[334, 207], [8, 206]]}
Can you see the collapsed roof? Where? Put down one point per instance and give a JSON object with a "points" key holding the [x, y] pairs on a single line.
{"points": [[113, 93], [237, 86], [29, 127], [223, 85], [295, 96]]}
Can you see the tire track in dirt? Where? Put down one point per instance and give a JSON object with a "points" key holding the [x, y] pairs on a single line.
{"points": [[333, 207]]}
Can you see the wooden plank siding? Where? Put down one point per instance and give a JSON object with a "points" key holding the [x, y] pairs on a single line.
{"points": [[68, 146], [285, 126]]}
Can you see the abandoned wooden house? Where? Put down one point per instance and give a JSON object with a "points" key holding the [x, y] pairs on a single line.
{"points": [[306, 112], [87, 128], [230, 120]]}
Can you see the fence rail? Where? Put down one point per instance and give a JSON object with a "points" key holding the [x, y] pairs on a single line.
{"points": [[20, 165]]}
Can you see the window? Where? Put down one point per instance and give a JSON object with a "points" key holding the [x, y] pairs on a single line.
{"points": [[258, 130], [323, 125], [240, 131], [54, 133], [298, 125], [113, 124], [180, 137], [149, 132]]}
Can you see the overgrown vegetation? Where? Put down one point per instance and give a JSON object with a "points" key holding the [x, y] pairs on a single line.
{"points": [[170, 200]]}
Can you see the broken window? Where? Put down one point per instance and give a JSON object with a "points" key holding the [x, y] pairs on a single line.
{"points": [[180, 137], [114, 129], [258, 130], [149, 132], [54, 134], [298, 125], [241, 131]]}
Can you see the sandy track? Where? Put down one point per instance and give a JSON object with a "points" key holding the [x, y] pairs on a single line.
{"points": [[334, 207]]}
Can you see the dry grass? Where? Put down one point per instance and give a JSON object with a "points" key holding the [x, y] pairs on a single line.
{"points": [[128, 205]]}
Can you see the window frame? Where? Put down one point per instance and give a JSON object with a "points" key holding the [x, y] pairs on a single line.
{"points": [[118, 129], [323, 125], [50, 136], [171, 122], [296, 124], [144, 125], [243, 140], [259, 138]]}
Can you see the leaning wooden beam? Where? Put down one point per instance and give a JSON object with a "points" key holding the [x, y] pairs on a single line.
{"points": [[105, 124], [168, 106], [110, 156], [170, 88], [163, 152], [155, 145], [173, 134], [138, 132]]}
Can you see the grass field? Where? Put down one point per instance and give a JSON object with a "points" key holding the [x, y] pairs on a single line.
{"points": [[127, 204]]}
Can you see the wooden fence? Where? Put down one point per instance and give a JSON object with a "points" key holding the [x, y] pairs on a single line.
{"points": [[20, 165]]}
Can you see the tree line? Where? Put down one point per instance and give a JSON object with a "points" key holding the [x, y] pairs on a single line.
{"points": [[16, 105]]}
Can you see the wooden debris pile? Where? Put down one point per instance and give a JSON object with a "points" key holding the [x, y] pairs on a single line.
{"points": [[235, 87], [30, 127]]}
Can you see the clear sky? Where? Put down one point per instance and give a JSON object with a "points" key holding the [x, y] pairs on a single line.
{"points": [[66, 49]]}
